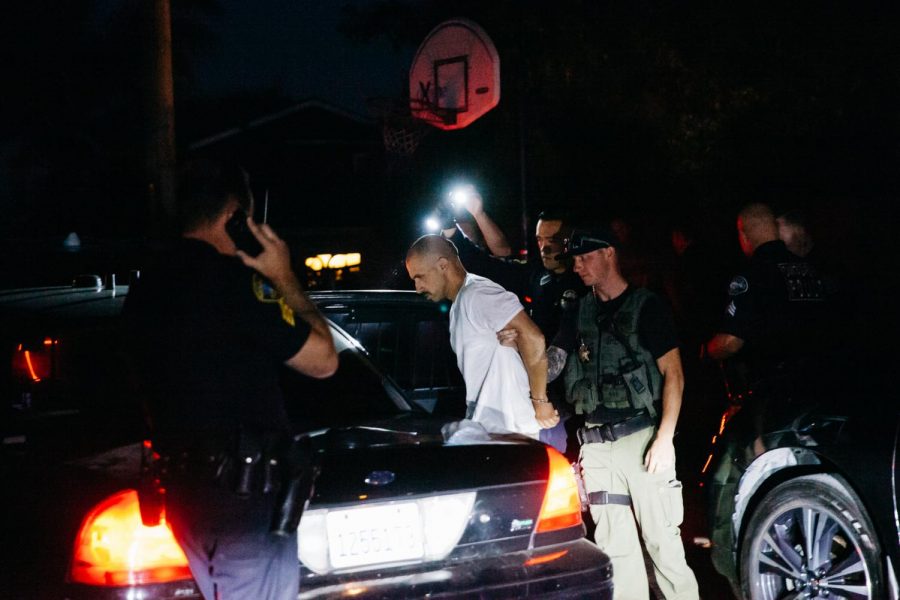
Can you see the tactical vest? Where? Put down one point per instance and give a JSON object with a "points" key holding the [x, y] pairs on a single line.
{"points": [[617, 373]]}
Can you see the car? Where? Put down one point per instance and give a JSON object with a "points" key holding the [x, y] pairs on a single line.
{"points": [[408, 337], [805, 505], [494, 515]]}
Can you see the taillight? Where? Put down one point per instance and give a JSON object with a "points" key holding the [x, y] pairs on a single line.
{"points": [[113, 547], [34, 362], [562, 505]]}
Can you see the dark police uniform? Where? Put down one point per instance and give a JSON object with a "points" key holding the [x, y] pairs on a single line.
{"points": [[545, 295], [208, 342], [780, 307]]}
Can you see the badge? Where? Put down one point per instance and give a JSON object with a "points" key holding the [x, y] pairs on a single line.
{"points": [[738, 286], [568, 300], [584, 353]]}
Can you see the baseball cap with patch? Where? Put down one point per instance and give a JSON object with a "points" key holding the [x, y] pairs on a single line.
{"points": [[584, 240]]}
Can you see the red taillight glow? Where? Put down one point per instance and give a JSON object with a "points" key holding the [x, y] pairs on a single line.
{"points": [[34, 363], [562, 506], [539, 560], [113, 547]]}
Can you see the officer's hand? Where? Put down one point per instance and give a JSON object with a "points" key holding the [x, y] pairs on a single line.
{"points": [[508, 337], [660, 456], [473, 202], [445, 217], [274, 262], [545, 414]]}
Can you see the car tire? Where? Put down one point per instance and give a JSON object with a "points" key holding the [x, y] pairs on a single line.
{"points": [[778, 559]]}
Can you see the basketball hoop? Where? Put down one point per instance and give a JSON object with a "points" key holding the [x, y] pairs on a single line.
{"points": [[401, 131], [455, 75]]}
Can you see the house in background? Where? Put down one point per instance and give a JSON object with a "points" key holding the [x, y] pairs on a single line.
{"points": [[323, 170]]}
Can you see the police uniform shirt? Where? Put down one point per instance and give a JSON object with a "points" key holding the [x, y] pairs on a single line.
{"points": [[545, 295], [776, 306], [210, 342]]}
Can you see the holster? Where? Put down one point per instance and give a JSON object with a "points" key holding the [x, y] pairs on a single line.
{"points": [[253, 463], [299, 470]]}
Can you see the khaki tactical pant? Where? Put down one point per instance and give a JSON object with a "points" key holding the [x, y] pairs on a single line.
{"points": [[618, 468]]}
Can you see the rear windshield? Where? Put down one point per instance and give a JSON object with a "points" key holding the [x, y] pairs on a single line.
{"points": [[354, 394]]}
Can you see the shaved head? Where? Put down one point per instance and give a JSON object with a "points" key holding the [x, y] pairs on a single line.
{"points": [[756, 225], [433, 245], [434, 266]]}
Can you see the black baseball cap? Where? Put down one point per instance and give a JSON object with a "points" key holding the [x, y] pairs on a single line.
{"points": [[584, 240]]}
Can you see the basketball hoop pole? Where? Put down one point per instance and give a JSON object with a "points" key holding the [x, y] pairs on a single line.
{"points": [[523, 178]]}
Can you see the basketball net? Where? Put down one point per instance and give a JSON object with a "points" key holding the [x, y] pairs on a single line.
{"points": [[401, 132]]}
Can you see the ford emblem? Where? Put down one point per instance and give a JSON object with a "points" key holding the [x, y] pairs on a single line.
{"points": [[380, 477]]}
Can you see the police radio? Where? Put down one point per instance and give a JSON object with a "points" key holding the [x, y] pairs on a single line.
{"points": [[240, 233]]}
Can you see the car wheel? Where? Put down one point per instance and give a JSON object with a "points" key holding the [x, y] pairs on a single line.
{"points": [[810, 538]]}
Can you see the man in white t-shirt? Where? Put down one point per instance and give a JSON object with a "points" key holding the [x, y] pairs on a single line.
{"points": [[499, 379]]}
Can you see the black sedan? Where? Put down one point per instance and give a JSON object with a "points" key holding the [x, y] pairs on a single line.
{"points": [[803, 498], [399, 511]]}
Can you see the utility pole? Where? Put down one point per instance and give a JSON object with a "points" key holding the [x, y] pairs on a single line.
{"points": [[159, 175]]}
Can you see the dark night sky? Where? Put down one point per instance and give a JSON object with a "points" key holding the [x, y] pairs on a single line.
{"points": [[669, 104], [295, 44]]}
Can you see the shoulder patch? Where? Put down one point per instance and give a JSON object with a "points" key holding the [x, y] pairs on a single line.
{"points": [[738, 286], [263, 290]]}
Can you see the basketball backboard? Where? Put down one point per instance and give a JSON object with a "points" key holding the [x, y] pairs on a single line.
{"points": [[455, 75]]}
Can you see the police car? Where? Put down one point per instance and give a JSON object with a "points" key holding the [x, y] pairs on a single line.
{"points": [[397, 512]]}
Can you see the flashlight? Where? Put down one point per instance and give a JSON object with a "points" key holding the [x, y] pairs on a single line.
{"points": [[460, 194], [432, 225]]}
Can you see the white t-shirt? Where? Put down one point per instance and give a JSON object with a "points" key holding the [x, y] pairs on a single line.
{"points": [[495, 376]]}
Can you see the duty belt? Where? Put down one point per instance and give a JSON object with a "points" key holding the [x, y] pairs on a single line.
{"points": [[610, 432]]}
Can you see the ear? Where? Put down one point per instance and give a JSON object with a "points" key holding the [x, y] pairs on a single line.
{"points": [[442, 263]]}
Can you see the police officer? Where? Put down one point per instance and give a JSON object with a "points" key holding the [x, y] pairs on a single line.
{"points": [[544, 287], [623, 372], [777, 321], [210, 327]]}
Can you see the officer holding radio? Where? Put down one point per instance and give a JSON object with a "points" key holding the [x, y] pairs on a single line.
{"points": [[211, 322], [623, 373]]}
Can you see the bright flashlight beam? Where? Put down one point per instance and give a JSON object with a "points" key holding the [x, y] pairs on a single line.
{"points": [[432, 225], [459, 195]]}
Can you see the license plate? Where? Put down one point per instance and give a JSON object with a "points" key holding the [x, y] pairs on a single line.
{"points": [[374, 534]]}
